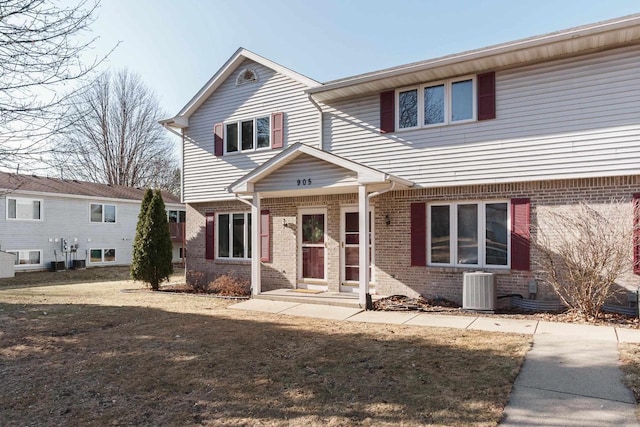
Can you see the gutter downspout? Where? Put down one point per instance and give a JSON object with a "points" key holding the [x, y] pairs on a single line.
{"points": [[170, 129], [320, 120], [256, 279], [181, 135]]}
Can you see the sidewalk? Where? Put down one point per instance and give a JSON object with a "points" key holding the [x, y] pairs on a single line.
{"points": [[569, 378]]}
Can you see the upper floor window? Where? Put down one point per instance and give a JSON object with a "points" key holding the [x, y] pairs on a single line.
{"points": [[176, 216], [469, 234], [433, 104], [234, 235], [24, 209], [248, 135], [103, 213]]}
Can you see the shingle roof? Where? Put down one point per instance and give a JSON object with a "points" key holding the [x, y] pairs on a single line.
{"points": [[14, 182]]}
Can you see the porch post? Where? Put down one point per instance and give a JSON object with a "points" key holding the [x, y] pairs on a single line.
{"points": [[363, 226], [256, 286]]}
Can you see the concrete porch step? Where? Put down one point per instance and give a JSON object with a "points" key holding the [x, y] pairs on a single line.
{"points": [[338, 299]]}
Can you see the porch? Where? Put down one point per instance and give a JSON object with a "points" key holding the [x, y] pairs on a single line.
{"points": [[304, 171]]}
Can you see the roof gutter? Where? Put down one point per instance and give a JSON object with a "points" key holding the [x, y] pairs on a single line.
{"points": [[165, 124], [377, 193], [504, 48]]}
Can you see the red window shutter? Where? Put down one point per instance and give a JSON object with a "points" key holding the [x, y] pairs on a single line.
{"points": [[387, 111], [265, 236], [636, 233], [277, 130], [487, 96], [520, 234], [210, 235], [218, 132], [418, 234]]}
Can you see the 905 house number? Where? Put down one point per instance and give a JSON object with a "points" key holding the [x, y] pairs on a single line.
{"points": [[305, 181]]}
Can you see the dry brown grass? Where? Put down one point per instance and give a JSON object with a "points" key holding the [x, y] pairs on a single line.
{"points": [[66, 277], [89, 354]]}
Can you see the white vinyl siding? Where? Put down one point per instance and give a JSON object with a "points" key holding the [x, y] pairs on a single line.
{"points": [[572, 118], [69, 218], [307, 172], [207, 177]]}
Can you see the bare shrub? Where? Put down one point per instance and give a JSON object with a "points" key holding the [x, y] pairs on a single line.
{"points": [[584, 249], [231, 285], [197, 281]]}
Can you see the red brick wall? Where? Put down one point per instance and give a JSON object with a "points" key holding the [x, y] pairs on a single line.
{"points": [[393, 273]]}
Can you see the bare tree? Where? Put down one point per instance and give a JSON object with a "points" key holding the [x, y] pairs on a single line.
{"points": [[584, 249], [112, 135], [41, 44]]}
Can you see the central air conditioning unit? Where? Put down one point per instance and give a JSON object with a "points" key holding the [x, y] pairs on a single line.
{"points": [[479, 291]]}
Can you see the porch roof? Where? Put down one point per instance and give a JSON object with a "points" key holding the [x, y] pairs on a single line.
{"points": [[356, 175]]}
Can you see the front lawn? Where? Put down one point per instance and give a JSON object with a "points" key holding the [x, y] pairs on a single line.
{"points": [[89, 354]]}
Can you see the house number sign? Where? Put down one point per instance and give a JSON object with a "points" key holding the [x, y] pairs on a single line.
{"points": [[305, 181]]}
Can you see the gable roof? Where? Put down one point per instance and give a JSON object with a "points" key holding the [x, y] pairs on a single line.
{"points": [[560, 44], [11, 182], [365, 174], [224, 72]]}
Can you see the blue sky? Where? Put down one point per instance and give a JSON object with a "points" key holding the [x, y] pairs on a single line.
{"points": [[177, 45]]}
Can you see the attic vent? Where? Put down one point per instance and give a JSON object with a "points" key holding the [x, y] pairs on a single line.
{"points": [[246, 76]]}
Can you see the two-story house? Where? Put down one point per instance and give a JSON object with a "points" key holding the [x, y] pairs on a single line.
{"points": [[399, 180], [48, 220]]}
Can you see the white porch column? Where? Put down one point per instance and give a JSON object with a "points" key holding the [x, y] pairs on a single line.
{"points": [[363, 227], [256, 286]]}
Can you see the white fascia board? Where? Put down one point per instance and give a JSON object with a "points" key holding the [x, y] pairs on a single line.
{"points": [[179, 122], [18, 193], [618, 24]]}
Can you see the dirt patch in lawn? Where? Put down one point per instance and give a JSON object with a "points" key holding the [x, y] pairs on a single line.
{"points": [[442, 306], [90, 354], [66, 277]]}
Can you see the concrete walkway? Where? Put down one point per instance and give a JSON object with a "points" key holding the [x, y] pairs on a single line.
{"points": [[570, 377]]}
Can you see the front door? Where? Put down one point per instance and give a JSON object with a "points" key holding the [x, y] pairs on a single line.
{"points": [[312, 257], [350, 247]]}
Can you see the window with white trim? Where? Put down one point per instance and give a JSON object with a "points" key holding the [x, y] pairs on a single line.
{"points": [[233, 237], [23, 209], [176, 216], [103, 213], [474, 234], [102, 255], [28, 257], [247, 135], [436, 104]]}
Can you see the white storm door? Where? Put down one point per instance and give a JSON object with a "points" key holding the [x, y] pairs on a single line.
{"points": [[349, 249]]}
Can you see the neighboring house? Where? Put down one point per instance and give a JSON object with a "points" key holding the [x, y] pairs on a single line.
{"points": [[45, 220], [457, 159]]}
